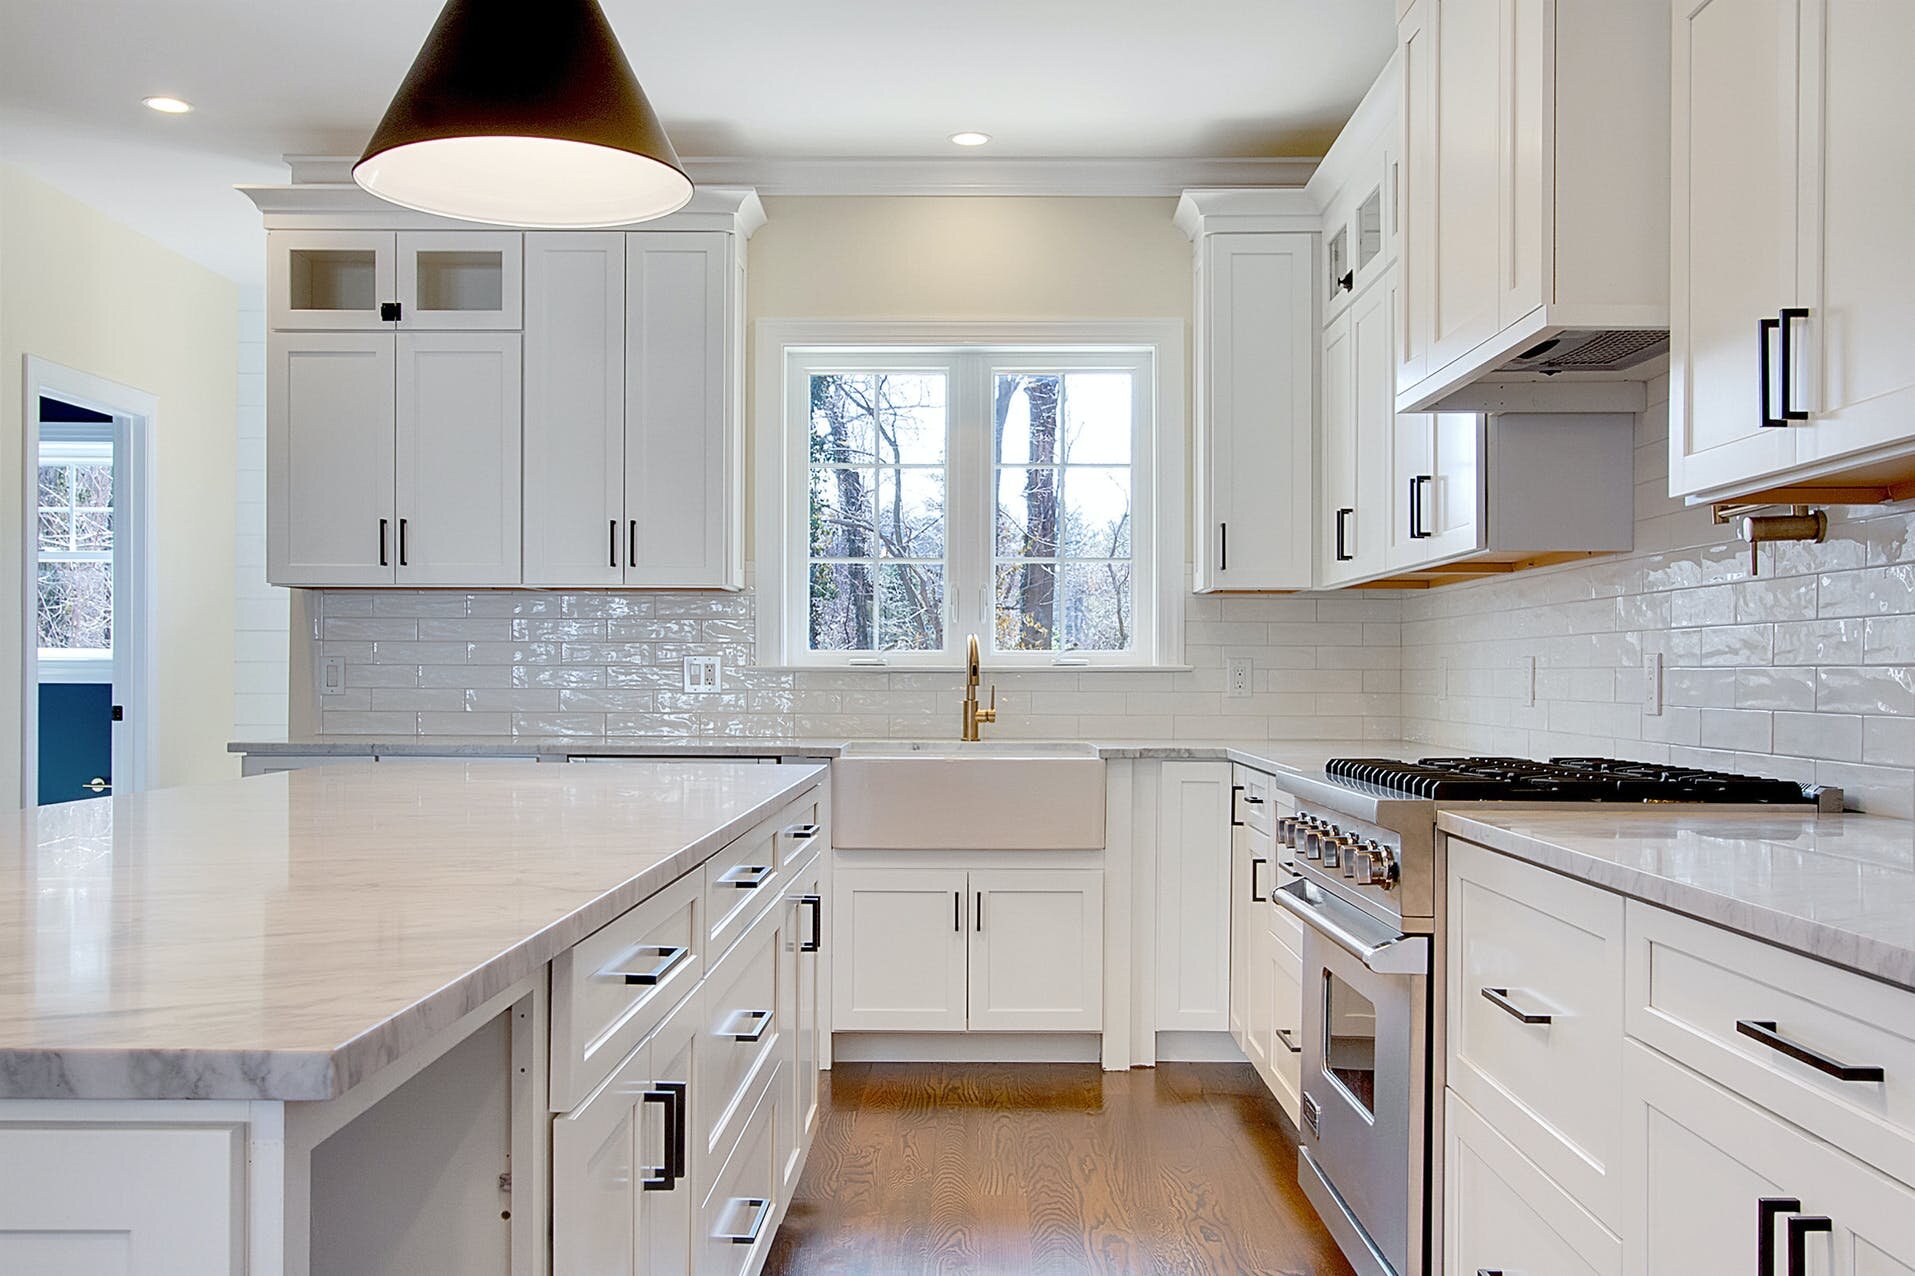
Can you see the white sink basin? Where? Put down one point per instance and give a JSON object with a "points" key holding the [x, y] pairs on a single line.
{"points": [[1013, 795]]}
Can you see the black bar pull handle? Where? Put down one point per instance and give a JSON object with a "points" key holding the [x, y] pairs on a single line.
{"points": [[671, 1096], [980, 912], [1785, 320], [957, 911], [1766, 1032], [1800, 1227], [1223, 547], [1763, 328], [1499, 998], [1766, 1211], [1342, 555], [1419, 530], [1256, 891], [817, 905], [402, 543], [1235, 789], [631, 544], [1289, 1039], [384, 523], [612, 552]]}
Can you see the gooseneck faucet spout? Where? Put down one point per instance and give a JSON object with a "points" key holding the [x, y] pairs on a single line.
{"points": [[973, 713]]}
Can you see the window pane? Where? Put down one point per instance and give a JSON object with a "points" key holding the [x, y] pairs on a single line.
{"points": [[842, 611], [76, 605], [1073, 418], [1097, 424], [911, 513], [911, 607], [878, 417], [93, 485], [1064, 607], [55, 485], [1076, 512], [56, 529], [843, 513], [93, 529]]}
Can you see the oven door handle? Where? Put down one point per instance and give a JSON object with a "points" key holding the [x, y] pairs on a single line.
{"points": [[1394, 955]]}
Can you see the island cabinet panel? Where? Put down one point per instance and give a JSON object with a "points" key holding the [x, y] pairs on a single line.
{"points": [[802, 1007], [740, 1212], [158, 1200]]}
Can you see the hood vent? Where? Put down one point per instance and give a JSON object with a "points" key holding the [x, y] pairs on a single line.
{"points": [[1591, 350]]}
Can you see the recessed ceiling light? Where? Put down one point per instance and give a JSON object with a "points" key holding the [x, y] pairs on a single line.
{"points": [[970, 139], [168, 105]]}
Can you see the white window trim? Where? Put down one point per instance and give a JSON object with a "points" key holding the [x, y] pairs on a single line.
{"points": [[778, 448]]}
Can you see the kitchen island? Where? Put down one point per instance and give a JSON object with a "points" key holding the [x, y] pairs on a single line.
{"points": [[239, 1019]]}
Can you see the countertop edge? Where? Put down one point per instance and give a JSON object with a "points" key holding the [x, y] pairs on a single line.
{"points": [[319, 1073], [1804, 936]]}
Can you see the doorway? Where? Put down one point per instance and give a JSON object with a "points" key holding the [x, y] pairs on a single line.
{"points": [[86, 667]]}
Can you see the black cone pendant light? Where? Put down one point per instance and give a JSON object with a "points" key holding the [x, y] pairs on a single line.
{"points": [[524, 113]]}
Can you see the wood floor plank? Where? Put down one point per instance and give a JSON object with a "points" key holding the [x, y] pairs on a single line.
{"points": [[1051, 1170]]}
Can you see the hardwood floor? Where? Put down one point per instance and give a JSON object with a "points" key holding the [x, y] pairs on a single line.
{"points": [[1051, 1170]]}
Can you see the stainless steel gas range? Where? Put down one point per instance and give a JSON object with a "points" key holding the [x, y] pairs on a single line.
{"points": [[1361, 871]]}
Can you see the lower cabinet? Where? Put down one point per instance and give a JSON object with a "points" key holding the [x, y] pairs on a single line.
{"points": [[951, 950], [1729, 1189], [1274, 1018], [681, 1159], [1506, 1216]]}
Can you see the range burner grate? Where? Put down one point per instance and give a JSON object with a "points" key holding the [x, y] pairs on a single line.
{"points": [[1491, 779]]}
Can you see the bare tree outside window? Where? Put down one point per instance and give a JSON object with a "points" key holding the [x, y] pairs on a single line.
{"points": [[877, 485], [74, 609]]}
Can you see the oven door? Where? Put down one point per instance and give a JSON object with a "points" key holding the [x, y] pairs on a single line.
{"points": [[1364, 1079]]}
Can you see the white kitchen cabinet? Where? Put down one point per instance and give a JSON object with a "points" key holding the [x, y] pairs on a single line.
{"points": [[431, 281], [1358, 419], [82, 1199], [1250, 872], [330, 421], [575, 526], [1355, 185], [1503, 1214], [1274, 1020], [1533, 136], [1436, 488], [1037, 950], [802, 1006], [950, 949], [1193, 897], [899, 949], [683, 410], [622, 1196], [1792, 325], [1255, 387], [1709, 1160], [458, 448]]}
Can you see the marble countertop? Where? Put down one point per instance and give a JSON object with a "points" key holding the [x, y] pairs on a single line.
{"points": [[1840, 888], [286, 936], [1304, 756]]}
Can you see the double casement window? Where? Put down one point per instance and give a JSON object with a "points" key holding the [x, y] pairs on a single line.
{"points": [[913, 495]]}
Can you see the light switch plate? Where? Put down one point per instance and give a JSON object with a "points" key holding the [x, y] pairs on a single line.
{"points": [[1238, 677], [1652, 684], [332, 676], [704, 674]]}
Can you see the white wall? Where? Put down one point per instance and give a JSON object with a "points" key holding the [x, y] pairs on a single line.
{"points": [[259, 610], [87, 292]]}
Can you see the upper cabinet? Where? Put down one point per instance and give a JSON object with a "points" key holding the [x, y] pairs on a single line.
{"points": [[1533, 135], [482, 407], [1255, 393], [1793, 300], [355, 280]]}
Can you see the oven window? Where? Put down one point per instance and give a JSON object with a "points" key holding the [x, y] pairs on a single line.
{"points": [[1349, 1047]]}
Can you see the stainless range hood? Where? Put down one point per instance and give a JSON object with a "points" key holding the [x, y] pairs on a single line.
{"points": [[1590, 350]]}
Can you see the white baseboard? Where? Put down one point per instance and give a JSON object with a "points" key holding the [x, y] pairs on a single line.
{"points": [[968, 1047], [1198, 1047]]}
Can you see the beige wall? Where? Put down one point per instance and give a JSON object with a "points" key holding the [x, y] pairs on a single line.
{"points": [[84, 291]]}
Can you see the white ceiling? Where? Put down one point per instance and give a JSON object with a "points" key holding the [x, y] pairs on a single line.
{"points": [[736, 78]]}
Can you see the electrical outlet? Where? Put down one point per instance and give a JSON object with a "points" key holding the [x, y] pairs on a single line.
{"points": [[704, 674], [1652, 684], [332, 676], [1527, 674], [1238, 677]]}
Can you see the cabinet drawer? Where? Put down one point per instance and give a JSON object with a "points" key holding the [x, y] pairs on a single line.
{"points": [[1286, 1034], [740, 1040], [742, 881], [1255, 798], [1701, 995], [1503, 1214], [741, 1211], [613, 986], [1535, 1014]]}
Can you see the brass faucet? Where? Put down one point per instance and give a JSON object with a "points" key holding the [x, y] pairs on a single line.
{"points": [[973, 715]]}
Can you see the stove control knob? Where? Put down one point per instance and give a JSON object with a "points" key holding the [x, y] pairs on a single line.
{"points": [[1310, 840], [1286, 831], [1376, 867], [1334, 848], [1352, 852]]}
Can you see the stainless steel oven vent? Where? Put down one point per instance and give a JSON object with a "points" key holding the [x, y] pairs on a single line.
{"points": [[1598, 350]]}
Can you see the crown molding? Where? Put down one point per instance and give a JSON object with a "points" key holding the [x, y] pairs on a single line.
{"points": [[314, 202], [951, 175]]}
